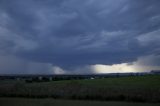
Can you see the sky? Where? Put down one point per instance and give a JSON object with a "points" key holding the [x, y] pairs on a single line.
{"points": [[79, 36]]}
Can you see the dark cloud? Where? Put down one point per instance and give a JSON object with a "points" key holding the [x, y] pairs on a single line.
{"points": [[75, 33]]}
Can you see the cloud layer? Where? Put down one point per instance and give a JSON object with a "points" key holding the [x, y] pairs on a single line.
{"points": [[72, 35]]}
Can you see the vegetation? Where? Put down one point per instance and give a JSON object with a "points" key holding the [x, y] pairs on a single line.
{"points": [[53, 102], [138, 89]]}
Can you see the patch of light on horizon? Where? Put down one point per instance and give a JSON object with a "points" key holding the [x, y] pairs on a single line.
{"points": [[116, 68], [122, 68]]}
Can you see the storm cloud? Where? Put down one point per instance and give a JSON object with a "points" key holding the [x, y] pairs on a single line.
{"points": [[73, 36]]}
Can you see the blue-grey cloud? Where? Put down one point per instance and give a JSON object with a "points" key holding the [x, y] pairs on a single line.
{"points": [[75, 33]]}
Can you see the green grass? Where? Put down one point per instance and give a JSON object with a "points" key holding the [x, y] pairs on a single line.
{"points": [[132, 81], [139, 89], [142, 82], [53, 102]]}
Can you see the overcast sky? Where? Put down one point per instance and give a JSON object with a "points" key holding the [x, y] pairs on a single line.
{"points": [[79, 36]]}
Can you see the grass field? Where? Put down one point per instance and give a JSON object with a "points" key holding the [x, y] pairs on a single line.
{"points": [[135, 89], [53, 102]]}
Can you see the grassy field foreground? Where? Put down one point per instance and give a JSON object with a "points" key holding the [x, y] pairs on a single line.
{"points": [[53, 102], [134, 89]]}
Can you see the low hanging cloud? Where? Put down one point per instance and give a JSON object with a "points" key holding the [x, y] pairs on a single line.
{"points": [[14, 65], [143, 64]]}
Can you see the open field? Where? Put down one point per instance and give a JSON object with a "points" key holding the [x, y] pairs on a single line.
{"points": [[53, 102], [135, 89]]}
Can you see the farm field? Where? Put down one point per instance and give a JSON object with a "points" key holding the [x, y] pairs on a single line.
{"points": [[131, 89], [53, 102]]}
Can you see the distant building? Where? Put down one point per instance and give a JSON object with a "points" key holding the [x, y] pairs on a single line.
{"points": [[92, 78], [40, 78]]}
